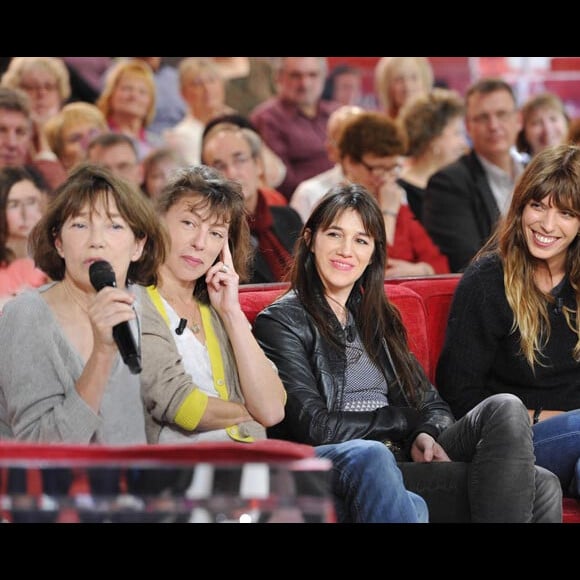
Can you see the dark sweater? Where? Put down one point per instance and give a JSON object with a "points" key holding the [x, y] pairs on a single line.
{"points": [[481, 357]]}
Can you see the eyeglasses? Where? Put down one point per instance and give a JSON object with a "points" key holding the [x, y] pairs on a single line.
{"points": [[485, 118], [381, 170], [237, 161], [47, 87]]}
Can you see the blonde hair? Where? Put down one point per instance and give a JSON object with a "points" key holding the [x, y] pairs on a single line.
{"points": [[136, 68], [194, 66], [553, 173], [55, 66], [70, 115], [385, 71]]}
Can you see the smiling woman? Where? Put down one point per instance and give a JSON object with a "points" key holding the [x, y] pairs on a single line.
{"points": [[341, 350], [513, 325]]}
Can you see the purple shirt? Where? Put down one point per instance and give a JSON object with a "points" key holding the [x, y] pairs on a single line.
{"points": [[297, 139]]}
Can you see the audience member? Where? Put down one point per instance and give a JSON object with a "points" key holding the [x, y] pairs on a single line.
{"points": [[203, 91], [118, 153], [236, 152], [399, 79], [464, 200], [544, 123], [22, 201], [371, 149], [46, 81], [307, 194], [513, 325], [185, 396], [249, 81], [71, 130], [344, 85], [128, 103], [274, 168], [157, 169], [435, 128], [16, 129], [293, 123], [170, 108], [341, 352]]}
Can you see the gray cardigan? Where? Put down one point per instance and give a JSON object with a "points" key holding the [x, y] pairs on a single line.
{"points": [[38, 372]]}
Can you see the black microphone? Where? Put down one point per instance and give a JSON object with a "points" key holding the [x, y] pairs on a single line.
{"points": [[181, 326], [101, 274]]}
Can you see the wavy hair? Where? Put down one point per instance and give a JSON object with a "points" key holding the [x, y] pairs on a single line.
{"points": [[553, 173], [209, 189]]}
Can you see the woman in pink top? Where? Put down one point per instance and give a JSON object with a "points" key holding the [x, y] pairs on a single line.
{"points": [[22, 201]]}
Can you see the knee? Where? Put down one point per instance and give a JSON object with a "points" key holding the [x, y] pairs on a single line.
{"points": [[508, 410], [369, 452]]}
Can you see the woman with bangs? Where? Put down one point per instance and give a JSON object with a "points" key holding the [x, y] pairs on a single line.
{"points": [[62, 378], [513, 325], [342, 353]]}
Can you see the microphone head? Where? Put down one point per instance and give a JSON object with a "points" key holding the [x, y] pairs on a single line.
{"points": [[101, 274]]}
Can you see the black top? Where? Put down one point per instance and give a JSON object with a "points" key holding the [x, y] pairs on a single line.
{"points": [[481, 356], [415, 196]]}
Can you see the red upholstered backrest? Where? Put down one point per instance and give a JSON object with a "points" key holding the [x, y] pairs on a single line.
{"points": [[255, 299], [437, 296], [414, 316]]}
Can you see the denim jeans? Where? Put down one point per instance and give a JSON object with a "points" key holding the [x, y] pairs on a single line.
{"points": [[368, 486], [557, 448], [503, 483]]}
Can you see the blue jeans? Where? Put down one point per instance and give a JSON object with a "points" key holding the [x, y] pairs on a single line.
{"points": [[368, 486], [557, 448]]}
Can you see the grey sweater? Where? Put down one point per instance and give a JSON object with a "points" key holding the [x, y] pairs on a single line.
{"points": [[38, 372]]}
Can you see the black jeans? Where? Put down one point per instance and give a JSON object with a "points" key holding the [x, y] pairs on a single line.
{"points": [[492, 476]]}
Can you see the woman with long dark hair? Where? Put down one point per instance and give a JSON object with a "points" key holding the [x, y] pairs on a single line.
{"points": [[342, 354]]}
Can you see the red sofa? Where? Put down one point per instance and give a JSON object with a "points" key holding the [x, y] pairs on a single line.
{"points": [[424, 306]]}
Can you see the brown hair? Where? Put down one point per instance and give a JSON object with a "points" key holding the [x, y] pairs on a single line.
{"points": [[371, 132], [426, 117], [208, 188], [87, 184], [378, 321], [10, 176], [555, 173]]}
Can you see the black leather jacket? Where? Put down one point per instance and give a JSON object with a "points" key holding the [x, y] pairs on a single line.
{"points": [[313, 373]]}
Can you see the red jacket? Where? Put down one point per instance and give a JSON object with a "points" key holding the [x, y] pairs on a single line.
{"points": [[412, 243]]}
